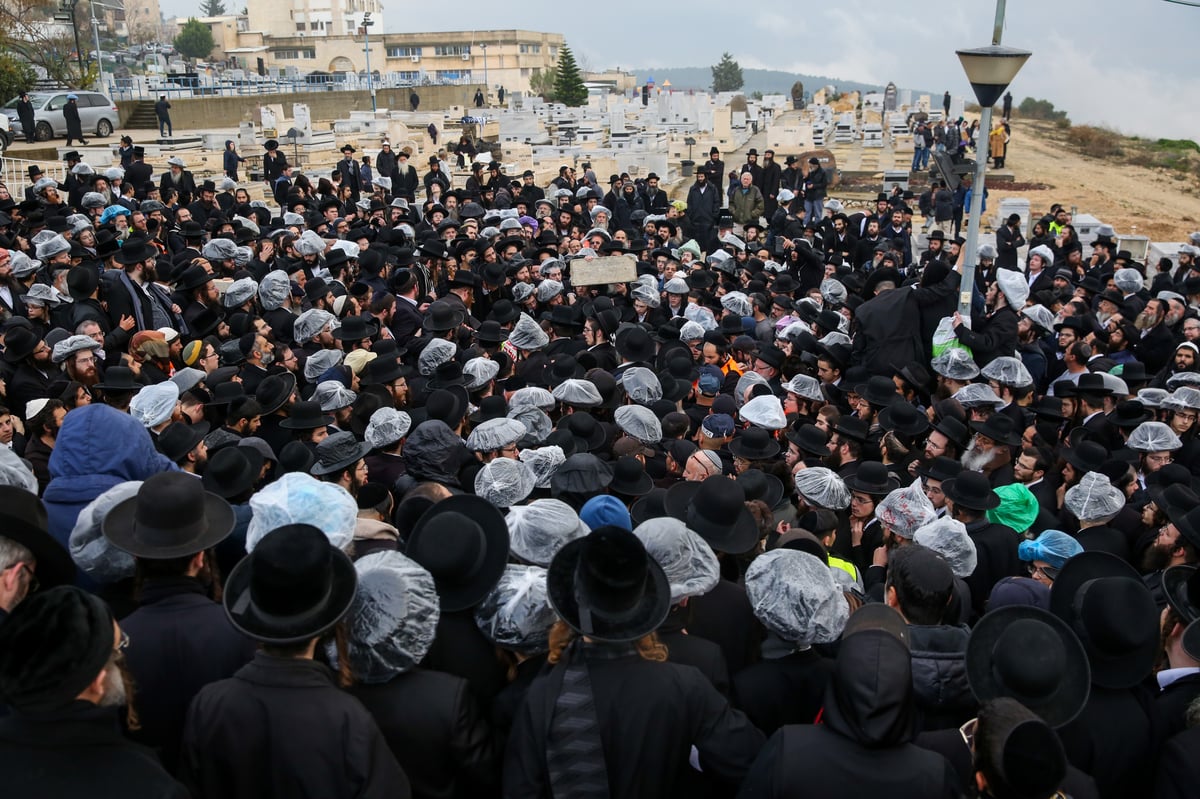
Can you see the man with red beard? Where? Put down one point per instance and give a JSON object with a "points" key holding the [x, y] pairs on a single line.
{"points": [[79, 359]]}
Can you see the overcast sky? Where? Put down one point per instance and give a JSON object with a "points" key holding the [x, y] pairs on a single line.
{"points": [[1128, 64]]}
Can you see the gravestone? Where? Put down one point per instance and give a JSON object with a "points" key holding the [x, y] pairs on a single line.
{"points": [[889, 98], [603, 270]]}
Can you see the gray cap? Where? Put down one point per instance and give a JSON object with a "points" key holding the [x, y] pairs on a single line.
{"points": [[765, 411], [955, 364], [1153, 437], [1129, 280], [495, 434], [154, 404], [538, 530], [987, 251], [948, 537], [504, 482], [1094, 497], [220, 250], [187, 378], [394, 617], [639, 422], [274, 289], [577, 392], [904, 510], [516, 614], [386, 427], [333, 396], [23, 265], [93, 199], [822, 488], [641, 385], [239, 292], [437, 352], [71, 345], [688, 561], [544, 461], [320, 361], [794, 595], [528, 334], [310, 323]]}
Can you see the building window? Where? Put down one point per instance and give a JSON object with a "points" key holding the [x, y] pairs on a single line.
{"points": [[402, 51], [534, 49], [300, 26], [295, 55], [454, 74], [452, 49], [554, 51], [409, 76]]}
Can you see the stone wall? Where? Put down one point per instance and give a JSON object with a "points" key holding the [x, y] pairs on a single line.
{"points": [[202, 113]]}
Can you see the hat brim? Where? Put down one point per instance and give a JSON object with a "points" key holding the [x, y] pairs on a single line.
{"points": [[1174, 585], [774, 491], [248, 619], [638, 488], [918, 426], [985, 428], [433, 327], [949, 486], [360, 451], [54, 564], [1071, 693], [733, 539], [301, 424], [121, 528], [738, 449], [470, 591], [644, 619], [277, 403]]}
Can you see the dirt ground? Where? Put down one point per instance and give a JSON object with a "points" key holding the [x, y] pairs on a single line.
{"points": [[1159, 203]]}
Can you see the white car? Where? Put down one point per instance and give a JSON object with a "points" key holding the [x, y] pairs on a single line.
{"points": [[97, 112]]}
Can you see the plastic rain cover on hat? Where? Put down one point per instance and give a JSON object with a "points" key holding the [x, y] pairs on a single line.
{"points": [[92, 552], [988, 251], [737, 303], [688, 561], [948, 537], [495, 434], [1008, 371], [479, 372], [239, 292], [744, 384], [309, 243], [677, 285], [386, 427], [1040, 315], [794, 595], [700, 315], [72, 344], [647, 295], [1052, 546], [274, 289], [1184, 397], [805, 387], [220, 250], [320, 362], [394, 617], [638, 421], [1128, 280], [538, 530], [52, 247], [823, 488], [333, 396], [955, 364], [504, 482], [14, 472], [642, 385], [1046, 254], [905, 509], [690, 331], [977, 394], [543, 461], [835, 337], [521, 291], [765, 411], [832, 291], [580, 393], [93, 199], [436, 352], [291, 218], [23, 265], [298, 498], [154, 404], [527, 334], [1018, 508], [310, 323], [531, 397], [1152, 397], [548, 290], [516, 614], [1094, 497], [537, 424], [1153, 437]]}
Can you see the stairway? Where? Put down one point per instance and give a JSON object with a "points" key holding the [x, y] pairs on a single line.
{"points": [[142, 116]]}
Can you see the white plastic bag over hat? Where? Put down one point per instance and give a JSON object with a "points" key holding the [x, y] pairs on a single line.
{"points": [[794, 595], [1014, 286], [394, 617], [538, 530], [310, 243], [688, 561], [517, 614], [948, 537]]}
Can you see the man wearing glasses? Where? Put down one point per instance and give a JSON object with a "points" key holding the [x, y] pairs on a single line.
{"points": [[29, 555]]}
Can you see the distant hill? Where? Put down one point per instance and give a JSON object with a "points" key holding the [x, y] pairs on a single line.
{"points": [[767, 81]]}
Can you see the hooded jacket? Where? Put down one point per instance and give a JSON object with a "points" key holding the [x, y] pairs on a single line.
{"points": [[863, 744], [939, 670]]}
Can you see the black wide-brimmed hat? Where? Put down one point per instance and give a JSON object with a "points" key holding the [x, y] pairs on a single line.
{"points": [[634, 344], [606, 587], [1105, 602], [490, 332], [954, 430], [811, 439], [337, 452], [1130, 413], [1181, 585], [386, 370], [292, 588], [504, 312], [588, 433], [274, 391], [180, 438], [172, 516], [356, 328], [755, 444], [1048, 408], [758, 485], [873, 479], [716, 510], [630, 478], [1088, 456], [940, 468], [442, 317], [23, 520], [463, 542], [853, 428], [20, 343], [119, 380], [999, 428], [1030, 655], [971, 490], [232, 471], [903, 417], [305, 415]]}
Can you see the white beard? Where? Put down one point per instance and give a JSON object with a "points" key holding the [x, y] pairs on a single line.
{"points": [[115, 692], [976, 460]]}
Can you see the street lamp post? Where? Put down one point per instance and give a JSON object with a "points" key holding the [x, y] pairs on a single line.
{"points": [[989, 70], [485, 73], [367, 22]]}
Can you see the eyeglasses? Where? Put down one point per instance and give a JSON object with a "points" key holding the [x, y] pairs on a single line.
{"points": [[34, 583], [967, 731], [1163, 459], [122, 643]]}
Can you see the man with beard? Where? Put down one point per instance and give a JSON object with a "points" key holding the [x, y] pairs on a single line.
{"points": [[61, 674], [340, 460], [184, 444], [1177, 542], [41, 428], [259, 353], [1184, 359], [31, 380], [1155, 346], [989, 449], [126, 292]]}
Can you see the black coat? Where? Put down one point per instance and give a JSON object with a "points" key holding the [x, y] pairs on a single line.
{"points": [[437, 733], [139, 174], [1008, 241], [282, 728], [1112, 739], [74, 125], [78, 752], [990, 336], [1171, 704], [179, 642], [650, 716], [406, 321], [27, 383], [996, 547], [1179, 767], [692, 650], [724, 616], [889, 325], [786, 690], [460, 649], [185, 185]]}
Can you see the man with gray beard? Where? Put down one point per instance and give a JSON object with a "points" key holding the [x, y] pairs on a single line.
{"points": [[1156, 344]]}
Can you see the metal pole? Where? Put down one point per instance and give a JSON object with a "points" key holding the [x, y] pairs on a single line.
{"points": [[75, 30], [367, 47], [967, 285], [485, 73], [99, 54]]}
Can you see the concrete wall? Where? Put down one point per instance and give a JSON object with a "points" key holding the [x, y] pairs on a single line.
{"points": [[202, 113]]}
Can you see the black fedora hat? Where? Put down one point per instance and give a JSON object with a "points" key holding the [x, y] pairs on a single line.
{"points": [[873, 479], [385, 370], [135, 251], [1030, 655], [442, 317], [226, 392], [971, 490], [634, 344], [564, 367], [904, 418], [758, 485], [274, 391], [504, 312], [172, 516], [24, 521], [180, 438], [1105, 602], [1181, 586], [1000, 428], [954, 430], [878, 390], [463, 542], [1130, 414], [338, 451], [492, 406], [20, 343], [490, 332], [649, 506], [940, 468], [716, 510], [119, 380], [356, 328], [292, 588], [811, 439], [1087, 456], [607, 587], [305, 415], [1048, 408], [232, 471], [1091, 384], [587, 432], [755, 444], [852, 427], [630, 478]]}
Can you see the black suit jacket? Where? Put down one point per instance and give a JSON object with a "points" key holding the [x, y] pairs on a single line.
{"points": [[406, 321]]}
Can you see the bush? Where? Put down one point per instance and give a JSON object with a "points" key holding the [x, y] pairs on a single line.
{"points": [[1177, 145], [1095, 142], [1032, 108]]}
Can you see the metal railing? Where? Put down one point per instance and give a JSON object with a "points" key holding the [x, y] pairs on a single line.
{"points": [[204, 86], [15, 174]]}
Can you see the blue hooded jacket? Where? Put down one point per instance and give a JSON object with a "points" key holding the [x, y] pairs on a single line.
{"points": [[97, 447]]}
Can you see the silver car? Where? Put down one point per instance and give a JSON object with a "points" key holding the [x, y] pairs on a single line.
{"points": [[97, 112]]}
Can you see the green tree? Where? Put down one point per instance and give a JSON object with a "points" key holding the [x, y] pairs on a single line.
{"points": [[195, 40], [568, 82], [727, 75], [16, 76], [1033, 108], [798, 95], [212, 8], [542, 84]]}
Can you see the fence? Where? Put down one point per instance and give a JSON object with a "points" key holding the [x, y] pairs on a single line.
{"points": [[188, 86], [15, 173]]}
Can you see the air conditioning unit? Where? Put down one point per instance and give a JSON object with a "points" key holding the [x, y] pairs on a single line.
{"points": [[415, 59], [466, 56]]}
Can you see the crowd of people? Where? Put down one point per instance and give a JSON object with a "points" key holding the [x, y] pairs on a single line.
{"points": [[364, 495]]}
